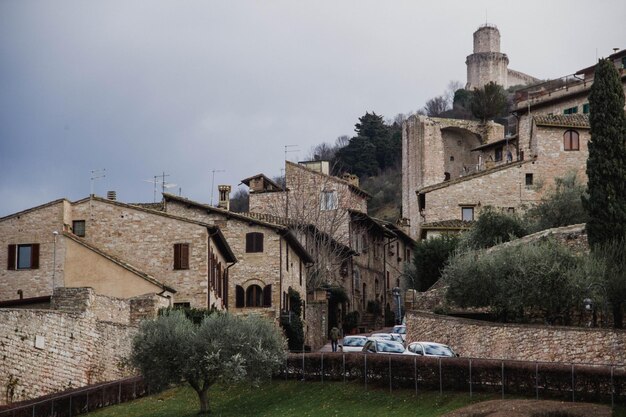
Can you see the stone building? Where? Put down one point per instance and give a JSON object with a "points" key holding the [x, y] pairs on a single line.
{"points": [[270, 260], [487, 64], [336, 208], [118, 249], [448, 179]]}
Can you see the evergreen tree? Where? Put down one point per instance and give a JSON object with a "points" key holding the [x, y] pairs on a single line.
{"points": [[488, 102], [606, 165]]}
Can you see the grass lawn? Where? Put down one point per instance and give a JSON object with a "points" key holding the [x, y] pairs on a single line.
{"points": [[292, 399]]}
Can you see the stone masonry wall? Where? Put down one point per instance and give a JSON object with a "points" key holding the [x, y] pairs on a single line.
{"points": [[32, 226], [46, 351], [471, 338], [146, 240], [316, 324], [261, 268]]}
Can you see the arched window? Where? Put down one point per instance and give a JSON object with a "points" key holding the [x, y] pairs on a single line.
{"points": [[376, 286], [570, 141], [254, 296], [239, 297]]}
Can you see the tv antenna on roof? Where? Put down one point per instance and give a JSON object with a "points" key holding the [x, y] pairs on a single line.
{"points": [[96, 174], [213, 181], [289, 150], [164, 185]]}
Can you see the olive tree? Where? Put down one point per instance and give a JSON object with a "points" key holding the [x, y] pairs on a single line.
{"points": [[224, 348]]}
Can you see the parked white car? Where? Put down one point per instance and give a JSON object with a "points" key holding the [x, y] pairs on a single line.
{"points": [[386, 347], [401, 330], [352, 343], [432, 349], [388, 336]]}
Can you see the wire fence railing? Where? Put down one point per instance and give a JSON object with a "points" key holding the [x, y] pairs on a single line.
{"points": [[79, 401], [539, 380]]}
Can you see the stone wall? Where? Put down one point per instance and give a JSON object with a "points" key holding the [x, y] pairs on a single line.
{"points": [[46, 351], [34, 226], [261, 268], [316, 316], [477, 339], [146, 240]]}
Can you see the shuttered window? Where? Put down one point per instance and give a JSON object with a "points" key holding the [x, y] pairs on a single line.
{"points": [[181, 256], [239, 296], [254, 296], [570, 141], [254, 242], [23, 256]]}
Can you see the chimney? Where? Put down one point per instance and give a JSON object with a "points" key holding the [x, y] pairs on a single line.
{"points": [[111, 195], [224, 191], [351, 178]]}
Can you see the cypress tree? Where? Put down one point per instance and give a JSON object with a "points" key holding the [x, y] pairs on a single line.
{"points": [[606, 165]]}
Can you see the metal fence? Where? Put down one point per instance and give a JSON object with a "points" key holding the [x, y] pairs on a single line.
{"points": [[604, 383], [79, 401]]}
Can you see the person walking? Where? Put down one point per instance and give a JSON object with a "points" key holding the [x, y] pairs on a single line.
{"points": [[334, 338]]}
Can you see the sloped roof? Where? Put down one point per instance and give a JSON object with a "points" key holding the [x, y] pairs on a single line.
{"points": [[48, 204], [375, 223], [499, 142], [563, 120], [118, 261], [282, 230], [451, 224], [267, 179], [214, 231]]}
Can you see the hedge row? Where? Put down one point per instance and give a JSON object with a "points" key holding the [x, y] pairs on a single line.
{"points": [[531, 379]]}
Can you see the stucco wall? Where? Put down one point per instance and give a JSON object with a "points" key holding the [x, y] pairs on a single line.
{"points": [[471, 338]]}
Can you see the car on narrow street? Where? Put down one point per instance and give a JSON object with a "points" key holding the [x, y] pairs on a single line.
{"points": [[352, 343], [386, 347], [388, 336], [401, 330], [432, 349]]}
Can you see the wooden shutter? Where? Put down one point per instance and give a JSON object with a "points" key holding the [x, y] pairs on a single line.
{"points": [[34, 256], [259, 242], [249, 242], [181, 256], [11, 257], [225, 288], [267, 296], [239, 296]]}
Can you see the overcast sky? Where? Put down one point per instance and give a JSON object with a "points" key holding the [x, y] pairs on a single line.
{"points": [[187, 87]]}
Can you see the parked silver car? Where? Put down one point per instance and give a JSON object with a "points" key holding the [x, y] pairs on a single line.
{"points": [[432, 349], [387, 347], [352, 343]]}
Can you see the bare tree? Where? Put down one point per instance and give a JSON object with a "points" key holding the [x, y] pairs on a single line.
{"points": [[436, 106]]}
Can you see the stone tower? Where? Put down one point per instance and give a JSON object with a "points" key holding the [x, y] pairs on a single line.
{"points": [[487, 63]]}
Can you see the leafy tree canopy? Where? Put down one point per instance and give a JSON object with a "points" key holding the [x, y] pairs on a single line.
{"points": [[491, 228], [430, 257], [488, 102], [224, 348]]}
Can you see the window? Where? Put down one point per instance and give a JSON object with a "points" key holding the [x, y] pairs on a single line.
{"points": [[300, 272], [181, 256], [529, 180], [239, 296], [267, 296], [586, 108], [570, 141], [467, 214], [421, 201], [254, 296], [376, 289], [446, 176], [498, 154], [182, 305], [510, 210], [328, 200], [23, 256], [571, 110], [254, 242], [78, 227]]}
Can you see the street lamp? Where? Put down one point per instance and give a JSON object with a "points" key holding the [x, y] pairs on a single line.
{"points": [[396, 293]]}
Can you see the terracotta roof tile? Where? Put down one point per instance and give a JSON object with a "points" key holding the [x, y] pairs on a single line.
{"points": [[563, 120]]}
